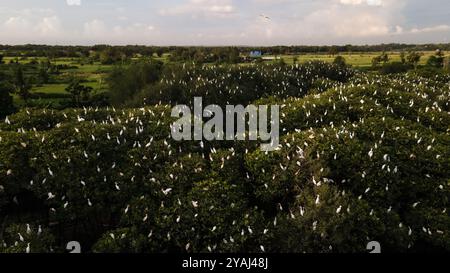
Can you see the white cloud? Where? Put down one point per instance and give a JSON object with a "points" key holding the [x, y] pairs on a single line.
{"points": [[95, 28], [292, 22], [16, 23], [439, 28], [203, 8], [336, 22], [329, 22], [360, 2], [49, 26], [26, 27], [351, 2], [73, 2], [97, 31]]}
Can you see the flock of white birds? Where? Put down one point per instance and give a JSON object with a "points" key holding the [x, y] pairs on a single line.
{"points": [[124, 160]]}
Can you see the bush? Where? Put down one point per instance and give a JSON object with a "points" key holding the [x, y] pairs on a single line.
{"points": [[214, 209], [318, 228], [340, 61], [124, 83], [6, 100], [435, 61], [24, 238], [395, 68]]}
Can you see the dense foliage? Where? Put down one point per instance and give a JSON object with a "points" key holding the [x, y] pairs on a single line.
{"points": [[362, 158], [179, 84], [6, 100]]}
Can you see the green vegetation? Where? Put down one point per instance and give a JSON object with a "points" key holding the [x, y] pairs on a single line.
{"points": [[364, 154], [47, 71], [6, 100]]}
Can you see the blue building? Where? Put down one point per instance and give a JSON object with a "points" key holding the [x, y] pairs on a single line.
{"points": [[255, 54]]}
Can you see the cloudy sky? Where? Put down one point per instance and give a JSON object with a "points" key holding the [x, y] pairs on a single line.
{"points": [[224, 22]]}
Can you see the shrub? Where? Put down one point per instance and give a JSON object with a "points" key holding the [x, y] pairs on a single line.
{"points": [[395, 68], [340, 61], [6, 100], [435, 61], [23, 238]]}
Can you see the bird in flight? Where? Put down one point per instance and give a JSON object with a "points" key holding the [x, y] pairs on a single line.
{"points": [[265, 17]]}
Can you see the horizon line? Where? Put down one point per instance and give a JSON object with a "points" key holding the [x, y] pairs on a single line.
{"points": [[224, 45]]}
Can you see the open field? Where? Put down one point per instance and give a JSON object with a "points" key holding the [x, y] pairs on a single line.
{"points": [[358, 60], [93, 75]]}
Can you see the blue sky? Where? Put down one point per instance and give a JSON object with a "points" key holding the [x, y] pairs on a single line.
{"points": [[224, 22]]}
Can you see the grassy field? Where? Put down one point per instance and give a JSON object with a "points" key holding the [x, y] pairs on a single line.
{"points": [[93, 75], [359, 60], [54, 93]]}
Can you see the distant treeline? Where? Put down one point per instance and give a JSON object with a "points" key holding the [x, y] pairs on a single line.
{"points": [[132, 50]]}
